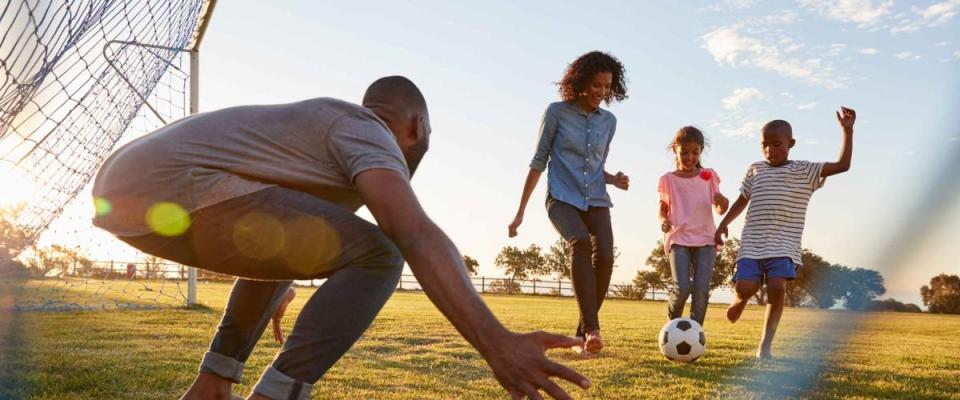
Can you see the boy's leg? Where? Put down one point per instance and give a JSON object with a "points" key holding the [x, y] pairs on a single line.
{"points": [[779, 271], [704, 259], [776, 291], [680, 273], [748, 278], [745, 290]]}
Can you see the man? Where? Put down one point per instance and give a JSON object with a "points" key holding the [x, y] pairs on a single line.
{"points": [[268, 193]]}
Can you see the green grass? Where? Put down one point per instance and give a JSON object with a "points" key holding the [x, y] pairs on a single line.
{"points": [[411, 352]]}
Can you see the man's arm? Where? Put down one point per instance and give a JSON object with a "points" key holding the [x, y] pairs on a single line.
{"points": [[846, 120], [517, 360]]}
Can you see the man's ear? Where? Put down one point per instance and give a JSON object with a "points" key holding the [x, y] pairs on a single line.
{"points": [[792, 142], [421, 127]]}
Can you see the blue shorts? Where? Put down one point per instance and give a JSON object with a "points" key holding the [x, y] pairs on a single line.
{"points": [[760, 270]]}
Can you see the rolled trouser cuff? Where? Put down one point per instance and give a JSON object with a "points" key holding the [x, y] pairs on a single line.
{"points": [[278, 386], [223, 366]]}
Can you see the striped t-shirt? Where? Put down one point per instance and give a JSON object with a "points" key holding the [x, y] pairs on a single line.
{"points": [[778, 205]]}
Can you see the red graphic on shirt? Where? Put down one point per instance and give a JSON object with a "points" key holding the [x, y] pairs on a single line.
{"points": [[706, 175]]}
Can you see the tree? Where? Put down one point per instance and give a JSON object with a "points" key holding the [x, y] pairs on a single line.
{"points": [[628, 292], [860, 287], [557, 261], [817, 283], [521, 264], [60, 258], [646, 281], [892, 305], [13, 239], [942, 296], [471, 264]]}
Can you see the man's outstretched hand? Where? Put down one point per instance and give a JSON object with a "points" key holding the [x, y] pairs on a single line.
{"points": [[521, 367]]}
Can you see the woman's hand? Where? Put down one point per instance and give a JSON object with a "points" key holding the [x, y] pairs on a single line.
{"points": [[619, 180], [512, 228]]}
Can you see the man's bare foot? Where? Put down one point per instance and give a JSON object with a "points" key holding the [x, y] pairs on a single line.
{"points": [[593, 344], [764, 355], [278, 314], [735, 310], [209, 386]]}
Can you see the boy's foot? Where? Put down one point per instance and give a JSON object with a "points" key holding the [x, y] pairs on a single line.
{"points": [[764, 355], [593, 344], [735, 309]]}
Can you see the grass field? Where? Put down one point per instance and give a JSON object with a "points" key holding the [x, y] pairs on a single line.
{"points": [[411, 352]]}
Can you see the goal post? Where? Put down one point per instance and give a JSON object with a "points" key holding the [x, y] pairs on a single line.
{"points": [[76, 77]]}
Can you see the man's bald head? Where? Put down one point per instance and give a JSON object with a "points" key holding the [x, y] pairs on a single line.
{"points": [[395, 97], [399, 103]]}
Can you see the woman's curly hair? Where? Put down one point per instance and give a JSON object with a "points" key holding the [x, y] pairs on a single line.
{"points": [[582, 70]]}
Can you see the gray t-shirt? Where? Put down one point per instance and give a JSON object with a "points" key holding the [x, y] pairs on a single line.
{"points": [[317, 146]]}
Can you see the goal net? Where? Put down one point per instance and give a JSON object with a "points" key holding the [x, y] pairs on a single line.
{"points": [[76, 78]]}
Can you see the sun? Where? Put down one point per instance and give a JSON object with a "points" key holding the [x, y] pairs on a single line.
{"points": [[14, 187]]}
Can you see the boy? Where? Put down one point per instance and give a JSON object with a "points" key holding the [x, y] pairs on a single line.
{"points": [[778, 191]]}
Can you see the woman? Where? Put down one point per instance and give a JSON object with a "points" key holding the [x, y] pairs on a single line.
{"points": [[574, 141]]}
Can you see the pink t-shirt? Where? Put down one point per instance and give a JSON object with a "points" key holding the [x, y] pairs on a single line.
{"points": [[690, 212]]}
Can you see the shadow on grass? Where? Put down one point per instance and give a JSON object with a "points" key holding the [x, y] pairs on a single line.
{"points": [[13, 367]]}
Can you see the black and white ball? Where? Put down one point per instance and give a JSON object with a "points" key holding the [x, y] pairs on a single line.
{"points": [[682, 340]]}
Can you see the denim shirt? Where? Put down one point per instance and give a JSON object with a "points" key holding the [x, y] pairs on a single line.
{"points": [[574, 144]]}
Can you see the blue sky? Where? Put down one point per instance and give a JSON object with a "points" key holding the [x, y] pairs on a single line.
{"points": [[487, 70]]}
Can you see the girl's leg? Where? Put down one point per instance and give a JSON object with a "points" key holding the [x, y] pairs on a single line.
{"points": [[680, 259], [704, 259]]}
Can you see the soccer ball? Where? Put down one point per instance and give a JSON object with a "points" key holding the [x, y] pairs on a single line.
{"points": [[682, 340]]}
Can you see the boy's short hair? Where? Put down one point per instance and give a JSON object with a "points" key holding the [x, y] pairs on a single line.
{"points": [[778, 125]]}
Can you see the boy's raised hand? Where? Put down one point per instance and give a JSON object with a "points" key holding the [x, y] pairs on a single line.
{"points": [[846, 117]]}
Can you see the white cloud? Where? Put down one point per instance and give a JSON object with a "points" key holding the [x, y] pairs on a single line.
{"points": [[956, 54], [940, 13], [864, 13], [786, 94], [930, 16], [904, 55], [735, 101], [731, 5], [942, 44], [738, 46], [739, 120], [869, 51], [835, 49], [740, 127], [807, 106]]}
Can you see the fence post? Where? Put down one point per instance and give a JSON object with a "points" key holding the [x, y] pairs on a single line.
{"points": [[534, 286], [483, 284], [401, 282]]}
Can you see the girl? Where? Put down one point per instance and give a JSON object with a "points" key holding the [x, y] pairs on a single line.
{"points": [[686, 195], [574, 141]]}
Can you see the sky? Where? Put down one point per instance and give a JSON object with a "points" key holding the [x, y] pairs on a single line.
{"points": [[488, 71]]}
